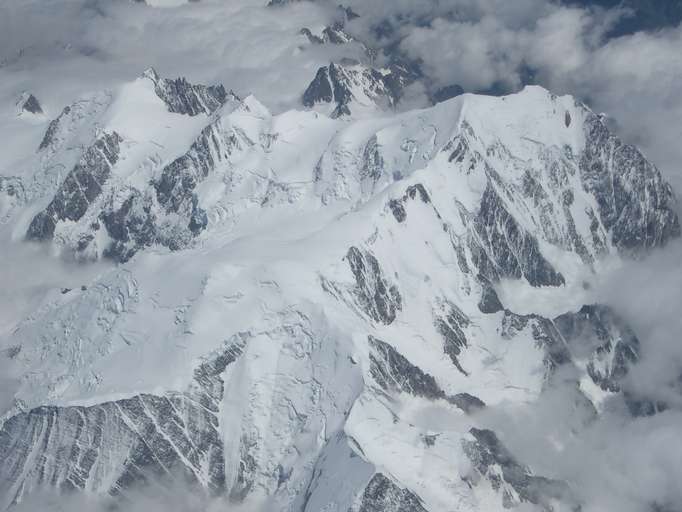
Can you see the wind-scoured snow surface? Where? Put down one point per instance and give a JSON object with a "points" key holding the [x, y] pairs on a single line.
{"points": [[321, 298]]}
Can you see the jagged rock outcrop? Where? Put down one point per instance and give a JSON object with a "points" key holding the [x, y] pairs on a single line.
{"points": [[52, 129], [594, 338], [446, 93], [347, 13], [80, 188], [516, 482], [450, 324], [77, 123], [131, 227], [397, 206], [30, 104], [607, 342], [544, 333], [350, 87], [178, 180], [382, 495], [393, 373], [608, 348], [376, 296], [164, 211], [12, 196], [334, 34], [635, 204], [501, 248], [140, 220], [277, 3], [489, 302], [183, 97]]}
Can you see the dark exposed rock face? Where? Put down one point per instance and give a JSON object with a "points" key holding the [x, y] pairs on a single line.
{"points": [[175, 188], [114, 446], [347, 13], [398, 209], [397, 206], [276, 3], [401, 72], [31, 105], [339, 84], [81, 186], [615, 345], [135, 225], [595, 335], [450, 325], [372, 162], [12, 194], [487, 453], [503, 249], [634, 207], [544, 195], [382, 495], [80, 436], [545, 335], [394, 373], [320, 90], [610, 347], [489, 302], [330, 35], [375, 295], [334, 33], [130, 227], [52, 129], [312, 37], [11, 186], [468, 403], [635, 204], [600, 339], [182, 97], [640, 406], [167, 212]]}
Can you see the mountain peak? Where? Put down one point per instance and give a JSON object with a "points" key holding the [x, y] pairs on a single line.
{"points": [[151, 73], [29, 104], [351, 88], [182, 97]]}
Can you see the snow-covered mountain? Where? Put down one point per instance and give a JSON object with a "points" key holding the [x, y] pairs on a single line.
{"points": [[318, 310], [352, 88]]}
